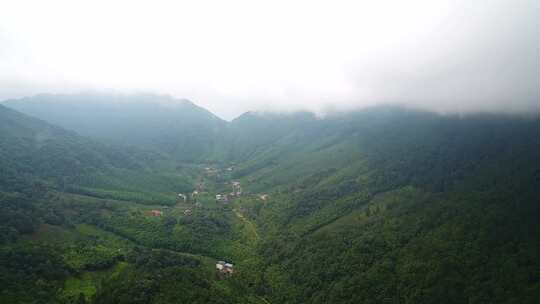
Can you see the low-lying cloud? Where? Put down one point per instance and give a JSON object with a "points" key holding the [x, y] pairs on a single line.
{"points": [[234, 56]]}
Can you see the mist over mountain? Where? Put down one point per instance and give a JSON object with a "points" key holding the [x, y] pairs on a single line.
{"points": [[175, 126]]}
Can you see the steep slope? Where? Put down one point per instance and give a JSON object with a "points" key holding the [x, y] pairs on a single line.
{"points": [[176, 127], [435, 147], [32, 150], [255, 132], [394, 205]]}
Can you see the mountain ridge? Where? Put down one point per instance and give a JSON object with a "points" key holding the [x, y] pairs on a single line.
{"points": [[175, 126]]}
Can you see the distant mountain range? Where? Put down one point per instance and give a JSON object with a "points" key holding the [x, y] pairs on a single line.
{"points": [[177, 127], [264, 144], [32, 148]]}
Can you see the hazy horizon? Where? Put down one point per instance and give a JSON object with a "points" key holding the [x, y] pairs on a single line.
{"points": [[239, 56]]}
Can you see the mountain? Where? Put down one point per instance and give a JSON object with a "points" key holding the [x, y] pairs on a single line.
{"points": [[380, 205], [32, 148], [34, 151], [254, 132], [162, 123], [429, 149], [395, 205], [71, 211]]}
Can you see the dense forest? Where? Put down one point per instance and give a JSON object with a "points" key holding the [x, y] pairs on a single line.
{"points": [[381, 205]]}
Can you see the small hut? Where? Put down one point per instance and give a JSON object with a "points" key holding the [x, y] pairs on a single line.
{"points": [[156, 213], [224, 268]]}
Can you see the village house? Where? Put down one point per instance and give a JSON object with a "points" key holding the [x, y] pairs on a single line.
{"points": [[211, 171], [156, 212], [223, 198], [182, 196], [236, 189], [263, 197], [187, 212], [224, 268]]}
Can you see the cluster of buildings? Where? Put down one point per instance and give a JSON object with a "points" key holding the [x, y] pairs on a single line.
{"points": [[211, 171], [236, 192], [222, 198], [236, 189]]}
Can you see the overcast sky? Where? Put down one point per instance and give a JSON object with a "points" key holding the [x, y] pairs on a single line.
{"points": [[233, 56]]}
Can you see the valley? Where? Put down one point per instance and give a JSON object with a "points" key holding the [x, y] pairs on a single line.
{"points": [[97, 235], [270, 152], [383, 205]]}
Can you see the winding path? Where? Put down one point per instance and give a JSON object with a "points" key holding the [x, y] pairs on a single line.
{"points": [[251, 227]]}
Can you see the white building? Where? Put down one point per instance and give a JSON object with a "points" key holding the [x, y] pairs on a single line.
{"points": [[224, 268]]}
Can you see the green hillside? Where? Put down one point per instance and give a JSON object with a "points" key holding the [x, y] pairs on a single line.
{"points": [[402, 207], [382, 205], [75, 222]]}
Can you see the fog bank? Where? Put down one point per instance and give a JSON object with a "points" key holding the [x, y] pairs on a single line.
{"points": [[452, 56]]}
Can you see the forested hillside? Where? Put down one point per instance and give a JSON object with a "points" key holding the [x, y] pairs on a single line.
{"points": [[402, 206], [381, 205], [75, 213]]}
